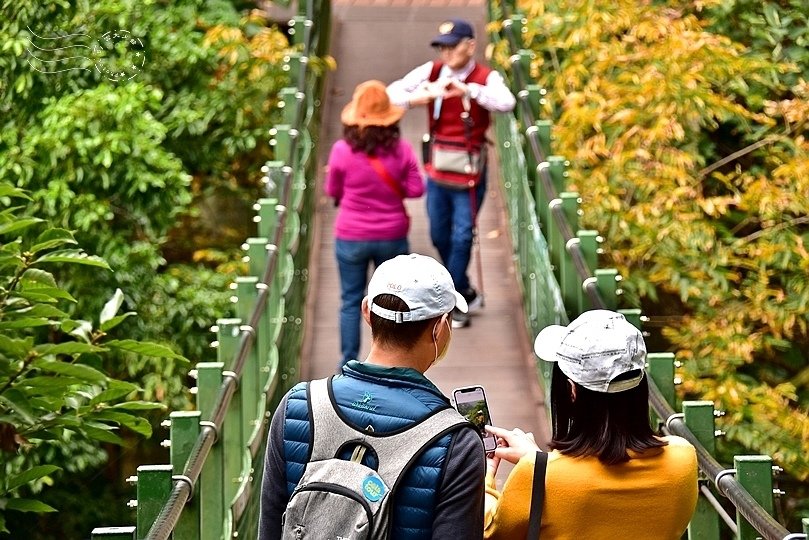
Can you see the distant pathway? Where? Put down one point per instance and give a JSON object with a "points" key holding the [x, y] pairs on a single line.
{"points": [[382, 39]]}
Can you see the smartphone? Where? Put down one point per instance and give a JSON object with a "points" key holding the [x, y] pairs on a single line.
{"points": [[471, 402]]}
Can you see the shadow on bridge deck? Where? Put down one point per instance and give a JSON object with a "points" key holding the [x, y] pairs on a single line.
{"points": [[382, 39]]}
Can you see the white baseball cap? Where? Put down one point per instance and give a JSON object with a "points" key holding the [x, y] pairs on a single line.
{"points": [[594, 349], [418, 280]]}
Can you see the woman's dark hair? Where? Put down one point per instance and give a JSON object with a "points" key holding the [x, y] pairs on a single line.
{"points": [[371, 139], [404, 334], [599, 423]]}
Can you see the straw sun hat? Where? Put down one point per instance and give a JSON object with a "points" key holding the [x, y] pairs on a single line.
{"points": [[370, 106]]}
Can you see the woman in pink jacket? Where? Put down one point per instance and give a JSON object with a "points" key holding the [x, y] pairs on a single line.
{"points": [[371, 170]]}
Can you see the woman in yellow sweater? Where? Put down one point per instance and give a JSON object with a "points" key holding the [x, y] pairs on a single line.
{"points": [[608, 476]]}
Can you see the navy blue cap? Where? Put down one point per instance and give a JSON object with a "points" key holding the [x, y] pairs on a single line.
{"points": [[453, 31]]}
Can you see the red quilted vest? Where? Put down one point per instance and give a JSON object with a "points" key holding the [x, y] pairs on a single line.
{"points": [[449, 125]]}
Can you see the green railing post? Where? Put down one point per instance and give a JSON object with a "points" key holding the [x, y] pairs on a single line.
{"points": [[661, 370], [541, 198], [233, 438], [114, 533], [258, 251], [754, 473], [805, 523], [607, 283], [589, 248], [273, 177], [633, 316], [517, 24], [267, 217], [294, 63], [288, 101], [558, 170], [250, 381], [588, 241], [281, 141], [532, 175], [211, 485], [184, 432], [154, 487], [544, 133], [699, 418], [555, 243], [297, 29], [534, 94], [568, 276]]}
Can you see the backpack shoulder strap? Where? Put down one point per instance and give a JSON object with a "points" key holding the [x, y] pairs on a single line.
{"points": [[395, 452], [329, 431], [398, 451], [537, 496]]}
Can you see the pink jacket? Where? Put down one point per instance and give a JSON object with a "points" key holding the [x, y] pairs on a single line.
{"points": [[369, 209]]}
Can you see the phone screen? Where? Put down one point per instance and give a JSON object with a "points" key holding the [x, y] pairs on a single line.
{"points": [[471, 403]]}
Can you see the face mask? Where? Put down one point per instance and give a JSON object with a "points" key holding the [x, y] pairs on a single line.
{"points": [[440, 355]]}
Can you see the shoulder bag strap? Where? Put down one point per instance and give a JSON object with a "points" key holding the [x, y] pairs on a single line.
{"points": [[383, 173], [537, 496]]}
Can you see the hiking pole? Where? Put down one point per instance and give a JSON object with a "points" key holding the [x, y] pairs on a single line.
{"points": [[473, 199], [478, 264]]}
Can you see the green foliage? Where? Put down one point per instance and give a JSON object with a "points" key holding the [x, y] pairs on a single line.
{"points": [[52, 390], [777, 29], [142, 169], [690, 152], [137, 172]]}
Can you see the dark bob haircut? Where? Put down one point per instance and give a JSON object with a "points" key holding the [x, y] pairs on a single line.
{"points": [[605, 425]]}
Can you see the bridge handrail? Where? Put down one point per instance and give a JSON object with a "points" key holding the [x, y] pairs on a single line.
{"points": [[230, 414], [725, 480]]}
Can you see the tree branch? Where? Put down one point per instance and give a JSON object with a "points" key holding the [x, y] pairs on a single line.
{"points": [[774, 228], [735, 155]]}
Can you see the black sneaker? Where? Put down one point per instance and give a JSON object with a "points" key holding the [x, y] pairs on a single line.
{"points": [[459, 319], [473, 299]]}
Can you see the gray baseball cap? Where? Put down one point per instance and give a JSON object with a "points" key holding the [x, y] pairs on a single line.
{"points": [[594, 349], [421, 282]]}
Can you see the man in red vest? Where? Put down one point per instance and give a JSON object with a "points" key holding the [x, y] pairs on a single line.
{"points": [[460, 94]]}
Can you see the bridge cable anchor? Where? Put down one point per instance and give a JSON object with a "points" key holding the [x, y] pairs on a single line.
{"points": [[675, 416], [719, 476], [186, 480]]}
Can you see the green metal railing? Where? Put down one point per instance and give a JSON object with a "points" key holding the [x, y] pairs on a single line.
{"points": [[559, 275], [211, 488]]}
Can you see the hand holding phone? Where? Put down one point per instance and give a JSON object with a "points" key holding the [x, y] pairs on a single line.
{"points": [[471, 403], [515, 443]]}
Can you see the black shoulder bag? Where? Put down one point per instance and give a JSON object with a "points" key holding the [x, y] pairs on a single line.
{"points": [[537, 496]]}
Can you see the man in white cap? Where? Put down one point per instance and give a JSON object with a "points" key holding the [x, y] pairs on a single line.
{"points": [[608, 475], [460, 94], [440, 495]]}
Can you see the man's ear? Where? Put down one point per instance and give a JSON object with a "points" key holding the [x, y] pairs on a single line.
{"points": [[442, 326], [366, 311]]}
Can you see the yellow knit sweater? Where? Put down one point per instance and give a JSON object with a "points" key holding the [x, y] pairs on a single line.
{"points": [[652, 496]]}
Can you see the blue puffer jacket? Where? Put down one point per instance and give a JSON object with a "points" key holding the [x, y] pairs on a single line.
{"points": [[388, 405]]}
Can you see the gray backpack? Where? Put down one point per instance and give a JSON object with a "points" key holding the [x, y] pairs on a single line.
{"points": [[346, 500]]}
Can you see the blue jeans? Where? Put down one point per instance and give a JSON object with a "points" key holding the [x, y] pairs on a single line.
{"points": [[353, 259], [451, 223]]}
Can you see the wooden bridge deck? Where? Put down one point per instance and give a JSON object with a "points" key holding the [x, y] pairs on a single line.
{"points": [[383, 39]]}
